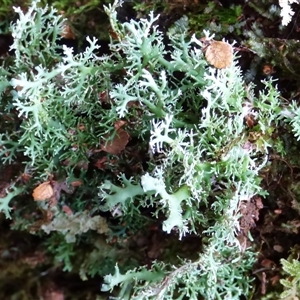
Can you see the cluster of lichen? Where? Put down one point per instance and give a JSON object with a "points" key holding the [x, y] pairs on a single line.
{"points": [[202, 158]]}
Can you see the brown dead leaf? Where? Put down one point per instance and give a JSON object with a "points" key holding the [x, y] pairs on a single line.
{"points": [[43, 192], [268, 69], [278, 248], [118, 144], [81, 127], [76, 183], [53, 294], [34, 259], [3, 188], [274, 280], [219, 54], [114, 35], [104, 97], [119, 124], [67, 32], [267, 263], [67, 210], [101, 163], [25, 177]]}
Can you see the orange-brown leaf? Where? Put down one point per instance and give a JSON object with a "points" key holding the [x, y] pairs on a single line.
{"points": [[219, 54], [43, 192]]}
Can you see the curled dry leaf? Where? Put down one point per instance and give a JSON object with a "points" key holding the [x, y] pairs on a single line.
{"points": [[219, 54], [43, 192]]}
